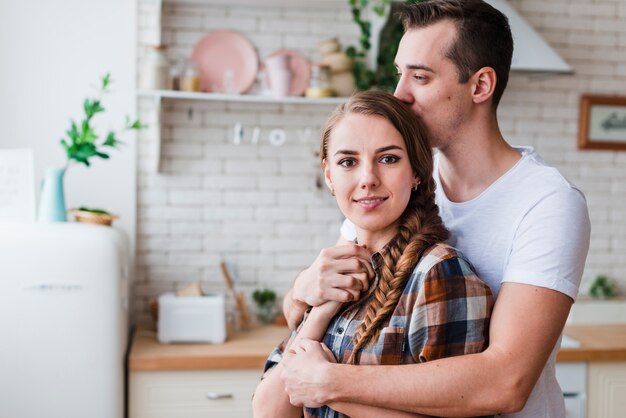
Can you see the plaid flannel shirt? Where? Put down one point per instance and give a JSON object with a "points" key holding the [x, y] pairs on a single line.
{"points": [[444, 311]]}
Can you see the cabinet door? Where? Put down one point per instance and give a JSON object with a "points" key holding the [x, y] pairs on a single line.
{"points": [[607, 390], [575, 406], [572, 378], [191, 394]]}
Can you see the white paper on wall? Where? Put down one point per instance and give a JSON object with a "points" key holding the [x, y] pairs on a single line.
{"points": [[17, 186]]}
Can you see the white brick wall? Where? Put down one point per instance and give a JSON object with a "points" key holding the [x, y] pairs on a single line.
{"points": [[258, 207]]}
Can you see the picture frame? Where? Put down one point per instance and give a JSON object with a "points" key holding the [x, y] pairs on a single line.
{"points": [[17, 186], [602, 122]]}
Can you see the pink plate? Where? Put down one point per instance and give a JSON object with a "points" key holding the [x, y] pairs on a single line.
{"points": [[300, 71], [227, 62]]}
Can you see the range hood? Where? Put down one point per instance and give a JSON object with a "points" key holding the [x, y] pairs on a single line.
{"points": [[531, 52]]}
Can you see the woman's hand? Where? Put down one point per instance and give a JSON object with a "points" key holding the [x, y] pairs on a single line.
{"points": [[338, 274]]}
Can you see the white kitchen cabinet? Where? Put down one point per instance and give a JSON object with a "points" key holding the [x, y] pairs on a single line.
{"points": [[192, 394], [607, 389], [198, 380], [572, 378]]}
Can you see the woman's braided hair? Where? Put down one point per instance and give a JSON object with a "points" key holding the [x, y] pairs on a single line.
{"points": [[419, 226]]}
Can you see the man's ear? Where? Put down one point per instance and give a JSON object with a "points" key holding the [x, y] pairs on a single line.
{"points": [[327, 178], [483, 84]]}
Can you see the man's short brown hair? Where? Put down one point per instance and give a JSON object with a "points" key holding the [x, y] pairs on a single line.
{"points": [[483, 37]]}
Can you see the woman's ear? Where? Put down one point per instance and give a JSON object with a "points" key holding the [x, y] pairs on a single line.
{"points": [[484, 84], [327, 178], [416, 183]]}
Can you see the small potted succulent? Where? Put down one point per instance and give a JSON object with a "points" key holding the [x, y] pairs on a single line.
{"points": [[603, 288], [81, 144], [265, 300], [93, 216]]}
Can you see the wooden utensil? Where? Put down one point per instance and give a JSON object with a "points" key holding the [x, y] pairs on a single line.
{"points": [[239, 297]]}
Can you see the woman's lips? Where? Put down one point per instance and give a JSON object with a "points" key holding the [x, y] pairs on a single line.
{"points": [[370, 203]]}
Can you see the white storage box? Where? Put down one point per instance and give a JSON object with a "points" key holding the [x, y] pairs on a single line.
{"points": [[191, 319]]}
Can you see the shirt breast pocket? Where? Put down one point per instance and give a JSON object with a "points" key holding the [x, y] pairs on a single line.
{"points": [[387, 350]]}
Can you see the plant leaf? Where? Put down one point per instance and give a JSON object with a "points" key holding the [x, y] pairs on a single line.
{"points": [[136, 125], [88, 135], [73, 131], [111, 140], [92, 107], [106, 80]]}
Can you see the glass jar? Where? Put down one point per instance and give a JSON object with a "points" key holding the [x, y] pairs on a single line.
{"points": [[176, 74], [319, 83], [155, 69], [190, 81]]}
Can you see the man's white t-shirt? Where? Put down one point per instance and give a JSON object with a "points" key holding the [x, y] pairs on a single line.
{"points": [[530, 226]]}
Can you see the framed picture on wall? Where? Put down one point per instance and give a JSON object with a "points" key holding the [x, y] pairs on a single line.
{"points": [[17, 186], [602, 122]]}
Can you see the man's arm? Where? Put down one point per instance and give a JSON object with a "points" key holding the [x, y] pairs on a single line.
{"points": [[349, 409], [525, 326], [338, 274]]}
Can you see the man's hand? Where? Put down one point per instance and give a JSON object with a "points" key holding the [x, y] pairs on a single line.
{"points": [[305, 374], [334, 274]]}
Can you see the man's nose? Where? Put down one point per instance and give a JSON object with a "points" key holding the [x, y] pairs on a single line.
{"points": [[402, 91]]}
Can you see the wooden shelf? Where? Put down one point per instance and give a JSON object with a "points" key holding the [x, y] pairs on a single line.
{"points": [[159, 95], [329, 4], [240, 98]]}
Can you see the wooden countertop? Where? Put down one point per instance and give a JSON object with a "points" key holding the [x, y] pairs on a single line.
{"points": [[598, 343], [249, 349], [244, 350]]}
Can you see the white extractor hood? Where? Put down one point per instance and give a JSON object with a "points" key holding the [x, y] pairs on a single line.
{"points": [[531, 52]]}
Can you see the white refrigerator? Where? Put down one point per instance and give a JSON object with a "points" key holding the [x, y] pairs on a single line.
{"points": [[63, 320]]}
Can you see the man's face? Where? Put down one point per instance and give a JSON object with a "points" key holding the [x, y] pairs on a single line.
{"points": [[429, 82]]}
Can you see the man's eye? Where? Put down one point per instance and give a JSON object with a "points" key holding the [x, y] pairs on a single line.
{"points": [[347, 162]]}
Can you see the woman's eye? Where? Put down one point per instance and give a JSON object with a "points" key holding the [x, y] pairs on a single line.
{"points": [[347, 162], [389, 159]]}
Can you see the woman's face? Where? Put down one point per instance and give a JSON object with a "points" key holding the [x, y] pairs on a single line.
{"points": [[368, 168]]}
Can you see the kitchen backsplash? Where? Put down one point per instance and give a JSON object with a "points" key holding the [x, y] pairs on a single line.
{"points": [[259, 206]]}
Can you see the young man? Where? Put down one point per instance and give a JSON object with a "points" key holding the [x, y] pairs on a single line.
{"points": [[523, 226]]}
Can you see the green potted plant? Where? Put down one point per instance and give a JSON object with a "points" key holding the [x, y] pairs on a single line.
{"points": [[81, 144], [603, 288], [265, 301]]}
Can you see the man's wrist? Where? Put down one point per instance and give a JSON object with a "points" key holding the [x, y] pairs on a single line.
{"points": [[331, 389]]}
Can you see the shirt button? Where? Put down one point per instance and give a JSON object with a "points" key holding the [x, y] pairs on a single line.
{"points": [[339, 330]]}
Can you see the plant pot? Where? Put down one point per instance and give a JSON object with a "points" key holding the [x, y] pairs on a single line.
{"points": [[93, 218], [266, 313]]}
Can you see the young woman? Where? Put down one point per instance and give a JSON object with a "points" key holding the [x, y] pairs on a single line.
{"points": [[425, 302]]}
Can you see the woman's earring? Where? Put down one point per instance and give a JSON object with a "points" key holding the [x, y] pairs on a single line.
{"points": [[332, 191], [415, 186]]}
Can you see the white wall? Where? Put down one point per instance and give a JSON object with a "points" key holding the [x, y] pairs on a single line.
{"points": [[52, 54]]}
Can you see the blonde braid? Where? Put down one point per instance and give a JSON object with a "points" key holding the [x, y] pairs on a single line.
{"points": [[420, 228]]}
